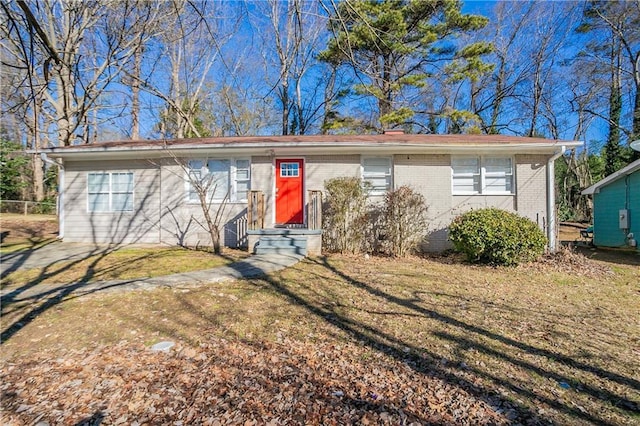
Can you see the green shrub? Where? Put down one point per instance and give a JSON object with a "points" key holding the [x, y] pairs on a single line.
{"points": [[344, 215], [497, 237]]}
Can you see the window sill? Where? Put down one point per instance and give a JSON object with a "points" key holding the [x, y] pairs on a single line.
{"points": [[197, 203], [485, 194], [110, 212]]}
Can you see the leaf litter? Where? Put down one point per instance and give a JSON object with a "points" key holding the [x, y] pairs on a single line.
{"points": [[233, 382]]}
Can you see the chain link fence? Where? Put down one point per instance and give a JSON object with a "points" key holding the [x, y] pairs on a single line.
{"points": [[27, 207]]}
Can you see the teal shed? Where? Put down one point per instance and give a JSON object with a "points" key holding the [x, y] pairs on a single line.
{"points": [[616, 208]]}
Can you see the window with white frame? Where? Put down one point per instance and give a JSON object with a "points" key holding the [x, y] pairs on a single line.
{"points": [[377, 172], [222, 179], [482, 175], [110, 191], [242, 179]]}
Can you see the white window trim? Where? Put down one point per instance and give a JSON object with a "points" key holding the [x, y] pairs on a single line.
{"points": [[110, 191], [362, 174], [482, 161], [233, 180]]}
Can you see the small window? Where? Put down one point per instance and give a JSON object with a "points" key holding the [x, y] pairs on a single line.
{"points": [[223, 179], [243, 179], [377, 172], [218, 178], [466, 174], [110, 192], [498, 175], [289, 169], [195, 175], [482, 175]]}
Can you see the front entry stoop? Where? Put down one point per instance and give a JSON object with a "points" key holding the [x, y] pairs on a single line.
{"points": [[282, 244], [299, 242]]}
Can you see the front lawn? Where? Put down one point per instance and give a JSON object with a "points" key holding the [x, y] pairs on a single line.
{"points": [[342, 340], [126, 263]]}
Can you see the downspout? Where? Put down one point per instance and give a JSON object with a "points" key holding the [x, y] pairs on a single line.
{"points": [[60, 204], [551, 199]]}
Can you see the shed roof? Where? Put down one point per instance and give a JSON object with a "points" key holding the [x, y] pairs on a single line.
{"points": [[595, 188]]}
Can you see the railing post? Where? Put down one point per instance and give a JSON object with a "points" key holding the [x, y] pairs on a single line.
{"points": [[255, 210], [314, 210]]}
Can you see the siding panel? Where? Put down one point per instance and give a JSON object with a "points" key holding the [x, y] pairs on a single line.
{"points": [[139, 226], [162, 213], [607, 204]]}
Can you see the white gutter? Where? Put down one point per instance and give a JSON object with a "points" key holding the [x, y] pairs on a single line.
{"points": [[60, 204], [551, 199], [315, 149]]}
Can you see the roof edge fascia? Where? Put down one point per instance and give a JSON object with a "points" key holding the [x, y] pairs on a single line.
{"points": [[627, 170], [306, 147]]}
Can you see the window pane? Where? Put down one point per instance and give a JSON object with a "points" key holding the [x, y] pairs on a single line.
{"points": [[379, 185], [122, 182], [495, 184], [98, 182], [498, 174], [194, 177], [98, 202], [466, 183], [498, 183], [377, 171], [122, 202], [219, 178], [242, 164], [195, 165], [498, 165], [289, 170], [466, 174], [465, 165], [376, 162], [242, 190]]}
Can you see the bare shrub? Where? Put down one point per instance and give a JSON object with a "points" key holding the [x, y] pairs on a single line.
{"points": [[343, 217], [404, 221]]}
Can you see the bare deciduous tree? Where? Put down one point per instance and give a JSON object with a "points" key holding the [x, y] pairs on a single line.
{"points": [[204, 185]]}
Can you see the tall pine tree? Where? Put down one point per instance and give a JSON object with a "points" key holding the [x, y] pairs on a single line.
{"points": [[392, 46]]}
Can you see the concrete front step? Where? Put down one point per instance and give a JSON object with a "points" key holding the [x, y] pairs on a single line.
{"points": [[302, 242], [296, 245]]}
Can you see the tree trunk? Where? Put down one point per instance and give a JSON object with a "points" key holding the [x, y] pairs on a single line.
{"points": [[612, 147], [38, 177], [284, 98], [135, 95], [384, 103], [328, 100]]}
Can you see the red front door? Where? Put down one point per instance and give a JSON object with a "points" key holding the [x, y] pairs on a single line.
{"points": [[289, 194]]}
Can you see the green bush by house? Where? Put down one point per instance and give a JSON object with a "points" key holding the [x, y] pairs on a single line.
{"points": [[496, 237]]}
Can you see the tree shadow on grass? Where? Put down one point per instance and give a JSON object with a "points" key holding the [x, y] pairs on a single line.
{"points": [[428, 362], [16, 259], [49, 297]]}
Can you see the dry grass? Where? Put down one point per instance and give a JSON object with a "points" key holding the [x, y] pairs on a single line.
{"points": [[122, 264], [20, 231], [560, 343]]}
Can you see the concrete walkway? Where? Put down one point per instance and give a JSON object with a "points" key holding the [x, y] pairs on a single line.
{"points": [[250, 267], [47, 254]]}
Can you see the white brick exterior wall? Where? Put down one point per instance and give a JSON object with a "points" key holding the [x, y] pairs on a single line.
{"points": [[162, 214]]}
